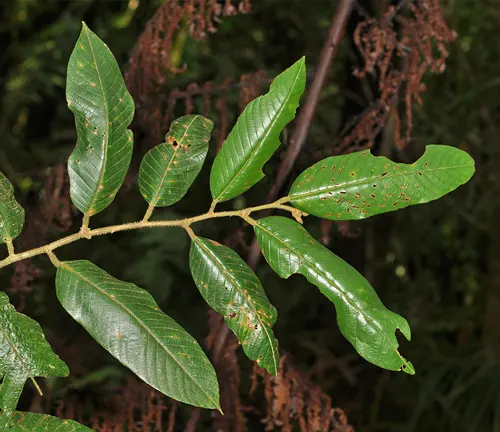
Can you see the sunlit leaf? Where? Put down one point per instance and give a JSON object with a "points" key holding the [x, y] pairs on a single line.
{"points": [[24, 354], [128, 323], [169, 169], [11, 213], [103, 109], [359, 185], [25, 421], [232, 289], [255, 136], [361, 316]]}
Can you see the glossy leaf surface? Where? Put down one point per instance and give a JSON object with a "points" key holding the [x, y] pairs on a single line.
{"points": [[168, 170], [25, 421], [103, 109], [361, 316], [24, 354], [128, 323], [359, 185], [255, 136], [232, 289], [11, 213]]}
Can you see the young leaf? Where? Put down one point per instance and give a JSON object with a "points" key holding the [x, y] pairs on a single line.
{"points": [[255, 136], [24, 353], [361, 316], [232, 289], [128, 323], [169, 169], [11, 213], [103, 109], [359, 185], [27, 421]]}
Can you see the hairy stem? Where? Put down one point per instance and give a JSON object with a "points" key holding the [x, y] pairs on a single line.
{"points": [[88, 233], [149, 212], [10, 247]]}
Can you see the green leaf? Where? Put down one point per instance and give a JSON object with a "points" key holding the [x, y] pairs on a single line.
{"points": [[232, 289], [11, 213], [255, 136], [128, 323], [169, 169], [24, 353], [103, 109], [26, 421], [359, 185], [361, 316]]}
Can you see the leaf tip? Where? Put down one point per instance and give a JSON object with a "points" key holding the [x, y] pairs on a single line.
{"points": [[408, 367]]}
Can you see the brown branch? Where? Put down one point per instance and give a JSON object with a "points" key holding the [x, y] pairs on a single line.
{"points": [[305, 117]]}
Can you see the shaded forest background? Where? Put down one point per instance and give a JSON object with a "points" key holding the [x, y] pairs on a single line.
{"points": [[407, 73]]}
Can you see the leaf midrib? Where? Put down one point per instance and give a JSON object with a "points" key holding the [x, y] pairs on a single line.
{"points": [[139, 321], [343, 293], [368, 180], [266, 134], [263, 325], [106, 133]]}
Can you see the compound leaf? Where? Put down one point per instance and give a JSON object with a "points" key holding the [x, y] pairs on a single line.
{"points": [[24, 353], [11, 213], [168, 170], [255, 136], [128, 323], [232, 289], [361, 316], [26, 421], [359, 185], [103, 109]]}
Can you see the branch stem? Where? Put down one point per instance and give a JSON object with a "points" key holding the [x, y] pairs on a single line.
{"points": [[86, 232]]}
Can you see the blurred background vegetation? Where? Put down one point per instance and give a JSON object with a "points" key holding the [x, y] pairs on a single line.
{"points": [[438, 264]]}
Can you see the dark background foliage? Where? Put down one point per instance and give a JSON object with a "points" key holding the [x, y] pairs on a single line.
{"points": [[437, 264]]}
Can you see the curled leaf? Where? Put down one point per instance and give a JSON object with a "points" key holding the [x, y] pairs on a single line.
{"points": [[359, 185], [361, 316], [103, 109], [232, 289]]}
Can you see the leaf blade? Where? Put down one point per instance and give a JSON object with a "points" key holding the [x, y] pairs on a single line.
{"points": [[361, 185], [105, 306], [103, 109], [255, 136], [233, 290], [11, 213], [168, 170], [24, 353], [361, 316], [32, 422]]}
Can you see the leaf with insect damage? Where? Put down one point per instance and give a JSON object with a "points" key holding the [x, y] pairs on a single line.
{"points": [[232, 289], [103, 109], [359, 185], [24, 354], [255, 136], [128, 323], [168, 170], [361, 316], [11, 213]]}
